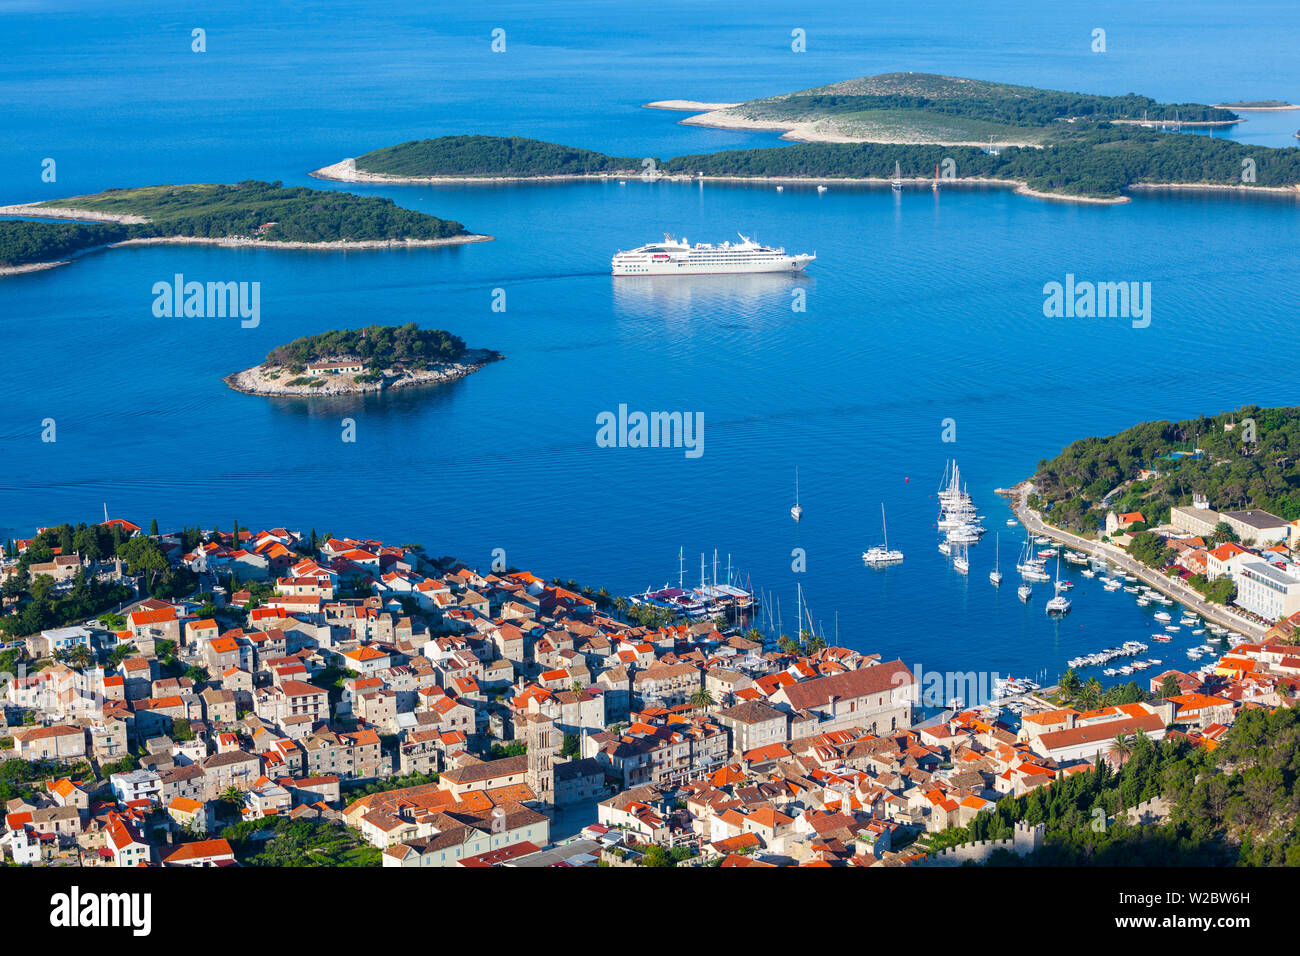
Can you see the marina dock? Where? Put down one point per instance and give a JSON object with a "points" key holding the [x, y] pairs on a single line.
{"points": [[1176, 590]]}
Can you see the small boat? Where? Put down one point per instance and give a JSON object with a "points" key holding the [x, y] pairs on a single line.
{"points": [[1144, 602], [945, 547], [1199, 630], [1046, 553], [780, 189], [1172, 628], [1025, 592], [1012, 522], [1065, 585], [1163, 616], [1162, 638], [1088, 573], [897, 184], [796, 512], [821, 189], [1042, 539]]}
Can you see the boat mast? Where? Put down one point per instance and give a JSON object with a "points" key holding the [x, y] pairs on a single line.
{"points": [[883, 527]]}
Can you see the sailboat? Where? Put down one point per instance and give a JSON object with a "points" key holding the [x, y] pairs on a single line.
{"points": [[796, 512], [1025, 592], [995, 575], [881, 554], [1059, 604], [935, 185], [962, 561], [897, 184]]}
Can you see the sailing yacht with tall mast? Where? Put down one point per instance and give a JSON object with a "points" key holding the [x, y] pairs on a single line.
{"points": [[996, 575], [962, 559], [797, 511], [881, 555], [897, 184], [1059, 604]]}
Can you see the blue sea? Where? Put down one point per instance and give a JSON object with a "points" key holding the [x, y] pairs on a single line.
{"points": [[920, 308]]}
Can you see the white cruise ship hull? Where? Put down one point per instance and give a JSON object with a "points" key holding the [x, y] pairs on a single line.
{"points": [[642, 265]]}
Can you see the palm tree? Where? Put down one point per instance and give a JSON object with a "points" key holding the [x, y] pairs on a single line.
{"points": [[1069, 683], [1094, 688], [702, 698], [1120, 748]]}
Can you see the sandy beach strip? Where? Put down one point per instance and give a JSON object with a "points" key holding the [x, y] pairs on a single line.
{"points": [[339, 245], [1258, 109], [826, 130], [347, 172], [236, 242], [36, 210], [1221, 187], [31, 267], [693, 106], [1021, 188]]}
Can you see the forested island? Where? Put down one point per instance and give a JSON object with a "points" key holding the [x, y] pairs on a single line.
{"points": [[247, 213], [1100, 161], [479, 157], [1249, 458], [375, 358], [948, 110]]}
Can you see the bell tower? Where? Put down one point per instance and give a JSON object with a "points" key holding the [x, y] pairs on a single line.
{"points": [[541, 737]]}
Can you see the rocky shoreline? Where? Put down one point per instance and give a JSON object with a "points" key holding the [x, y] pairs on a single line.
{"points": [[346, 171], [272, 380]]}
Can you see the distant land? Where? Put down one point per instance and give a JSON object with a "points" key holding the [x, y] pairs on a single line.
{"points": [[1099, 166], [1259, 106], [249, 213], [1049, 144], [477, 158], [376, 358], [945, 110], [1214, 456]]}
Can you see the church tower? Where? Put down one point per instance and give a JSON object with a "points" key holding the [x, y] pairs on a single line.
{"points": [[542, 739]]}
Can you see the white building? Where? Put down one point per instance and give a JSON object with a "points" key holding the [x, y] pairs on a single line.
{"points": [[136, 785], [1194, 520], [1266, 590], [1258, 526]]}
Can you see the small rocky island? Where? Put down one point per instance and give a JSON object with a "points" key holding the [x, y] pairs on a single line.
{"points": [[374, 359]]}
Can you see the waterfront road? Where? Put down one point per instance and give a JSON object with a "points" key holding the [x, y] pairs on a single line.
{"points": [[1171, 587]]}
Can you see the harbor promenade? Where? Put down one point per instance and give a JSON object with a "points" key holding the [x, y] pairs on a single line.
{"points": [[1170, 587]]}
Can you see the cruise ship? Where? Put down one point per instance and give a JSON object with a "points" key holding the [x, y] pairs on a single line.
{"points": [[678, 257]]}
